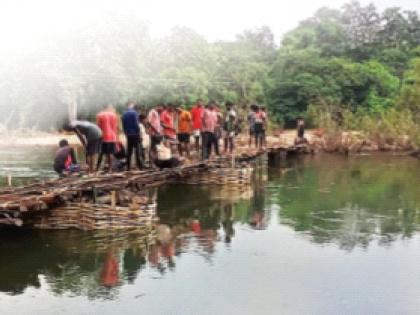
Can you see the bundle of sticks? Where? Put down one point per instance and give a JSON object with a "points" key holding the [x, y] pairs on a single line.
{"points": [[19, 204], [86, 216]]}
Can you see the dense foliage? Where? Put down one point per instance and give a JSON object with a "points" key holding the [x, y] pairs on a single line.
{"points": [[356, 57]]}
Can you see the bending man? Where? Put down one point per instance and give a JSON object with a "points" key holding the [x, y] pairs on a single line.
{"points": [[90, 136]]}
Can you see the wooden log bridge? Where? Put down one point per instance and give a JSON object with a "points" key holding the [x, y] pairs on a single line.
{"points": [[124, 192]]}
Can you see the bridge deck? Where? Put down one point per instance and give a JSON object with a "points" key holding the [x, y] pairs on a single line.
{"points": [[17, 203]]}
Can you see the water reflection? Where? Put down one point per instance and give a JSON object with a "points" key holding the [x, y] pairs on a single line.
{"points": [[350, 201], [96, 264], [325, 200], [72, 262], [196, 221]]}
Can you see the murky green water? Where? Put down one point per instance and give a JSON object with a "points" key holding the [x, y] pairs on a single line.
{"points": [[321, 235], [25, 164]]}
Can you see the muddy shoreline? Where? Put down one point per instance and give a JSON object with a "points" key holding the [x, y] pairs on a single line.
{"points": [[317, 143]]}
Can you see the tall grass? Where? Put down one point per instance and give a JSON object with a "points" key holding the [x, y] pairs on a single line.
{"points": [[390, 129]]}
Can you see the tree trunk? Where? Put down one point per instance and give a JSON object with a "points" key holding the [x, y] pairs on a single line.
{"points": [[72, 110]]}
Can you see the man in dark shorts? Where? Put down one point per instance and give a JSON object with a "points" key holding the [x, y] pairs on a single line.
{"points": [[259, 123], [107, 121], [209, 123], [251, 122], [183, 138], [264, 132], [184, 131], [300, 139], [90, 136], [230, 121]]}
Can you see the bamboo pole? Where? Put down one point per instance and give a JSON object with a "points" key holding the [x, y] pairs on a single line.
{"points": [[113, 199]]}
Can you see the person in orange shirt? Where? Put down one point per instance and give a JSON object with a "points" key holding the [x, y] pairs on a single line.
{"points": [[184, 131]]}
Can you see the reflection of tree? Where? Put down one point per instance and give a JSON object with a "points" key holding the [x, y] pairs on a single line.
{"points": [[19, 268], [352, 201]]}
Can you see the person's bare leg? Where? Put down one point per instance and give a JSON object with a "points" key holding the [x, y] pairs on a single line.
{"points": [[151, 153], [197, 144], [89, 162], [109, 161], [99, 162], [264, 139]]}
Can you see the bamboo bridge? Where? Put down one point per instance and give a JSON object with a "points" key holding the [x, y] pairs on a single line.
{"points": [[118, 200]]}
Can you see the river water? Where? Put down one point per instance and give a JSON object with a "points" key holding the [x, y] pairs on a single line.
{"points": [[314, 235]]}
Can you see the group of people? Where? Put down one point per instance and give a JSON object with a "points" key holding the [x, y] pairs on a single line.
{"points": [[153, 138]]}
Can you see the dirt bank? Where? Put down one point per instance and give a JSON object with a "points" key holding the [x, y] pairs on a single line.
{"points": [[319, 141], [35, 139], [52, 139]]}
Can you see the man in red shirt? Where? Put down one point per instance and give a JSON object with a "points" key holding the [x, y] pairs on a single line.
{"points": [[167, 122], [196, 114], [209, 121], [107, 121]]}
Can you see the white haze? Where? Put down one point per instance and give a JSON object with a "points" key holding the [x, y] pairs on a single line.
{"points": [[28, 27], [24, 23]]}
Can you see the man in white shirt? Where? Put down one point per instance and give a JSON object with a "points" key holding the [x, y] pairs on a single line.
{"points": [[164, 155], [155, 129]]}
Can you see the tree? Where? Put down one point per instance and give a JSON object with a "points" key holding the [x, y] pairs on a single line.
{"points": [[410, 92], [361, 25], [395, 31], [261, 41]]}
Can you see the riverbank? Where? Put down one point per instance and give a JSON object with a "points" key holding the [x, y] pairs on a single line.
{"points": [[318, 139], [35, 138], [51, 139]]}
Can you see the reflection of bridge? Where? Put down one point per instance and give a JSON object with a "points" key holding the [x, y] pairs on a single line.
{"points": [[97, 263], [72, 260], [103, 193]]}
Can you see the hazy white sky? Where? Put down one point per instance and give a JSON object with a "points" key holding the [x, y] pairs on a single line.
{"points": [[23, 22]]}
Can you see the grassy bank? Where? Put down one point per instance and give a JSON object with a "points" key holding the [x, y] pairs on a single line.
{"points": [[393, 129]]}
